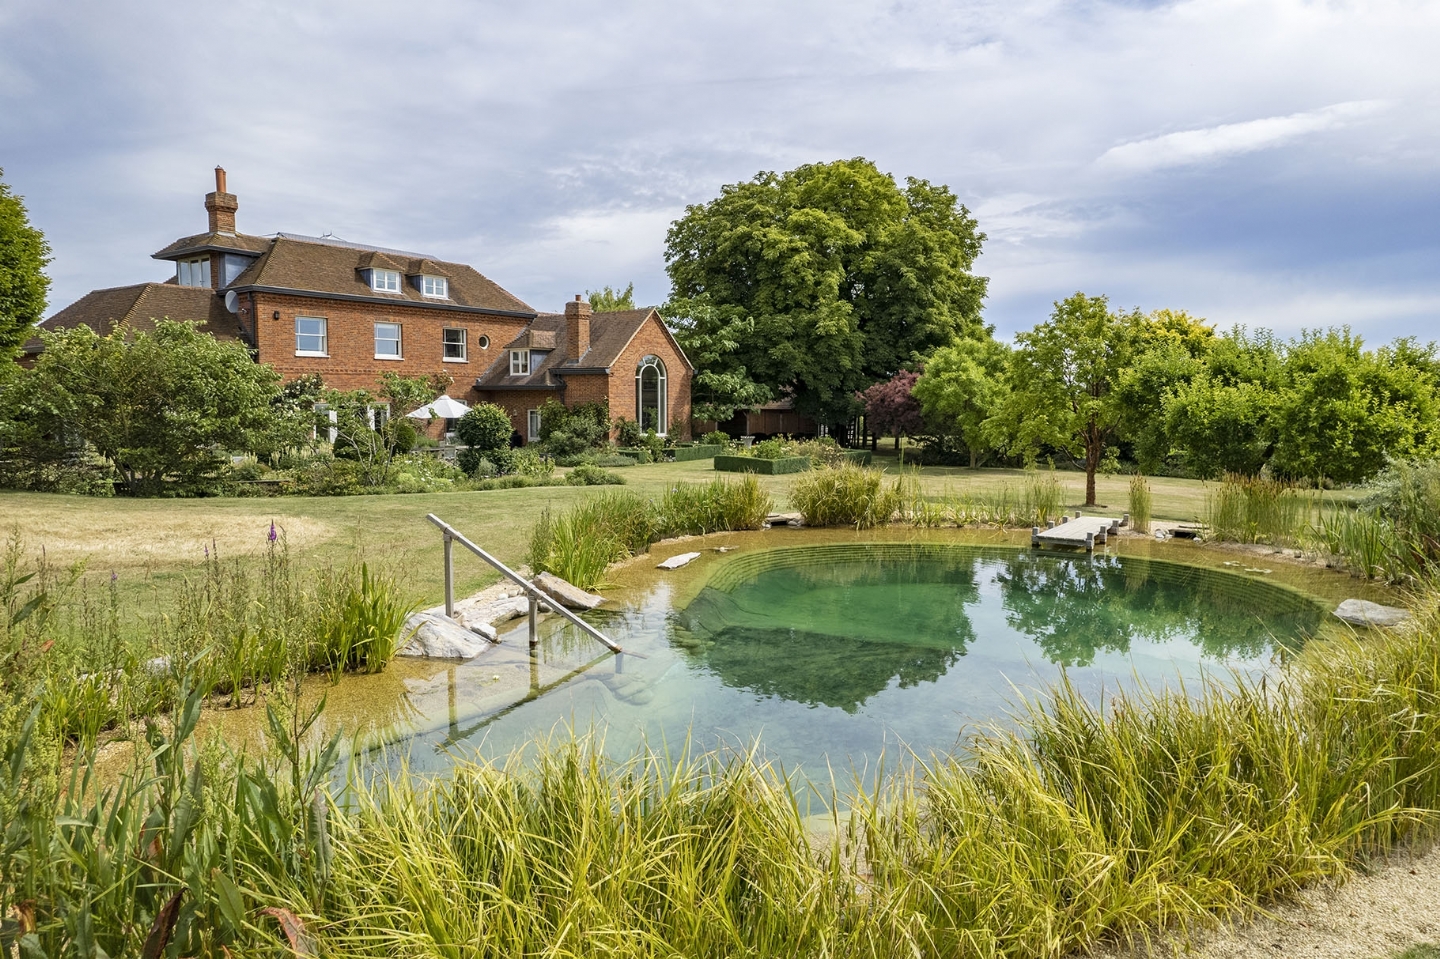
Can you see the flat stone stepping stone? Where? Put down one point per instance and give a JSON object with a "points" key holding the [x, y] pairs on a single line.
{"points": [[436, 636], [1362, 612], [566, 594], [795, 520], [675, 562]]}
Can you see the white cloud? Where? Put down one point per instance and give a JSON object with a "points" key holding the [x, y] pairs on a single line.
{"points": [[1231, 139]]}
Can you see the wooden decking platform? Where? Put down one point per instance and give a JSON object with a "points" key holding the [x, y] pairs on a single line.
{"points": [[1078, 532]]}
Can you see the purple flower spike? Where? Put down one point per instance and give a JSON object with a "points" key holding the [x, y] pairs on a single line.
{"points": [[113, 576], [273, 535]]}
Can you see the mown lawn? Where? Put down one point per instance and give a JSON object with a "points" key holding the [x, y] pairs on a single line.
{"points": [[148, 541]]}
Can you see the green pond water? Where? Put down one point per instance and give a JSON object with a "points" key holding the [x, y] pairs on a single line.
{"points": [[837, 653]]}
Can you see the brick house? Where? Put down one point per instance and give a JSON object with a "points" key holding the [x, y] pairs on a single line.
{"points": [[351, 312]]}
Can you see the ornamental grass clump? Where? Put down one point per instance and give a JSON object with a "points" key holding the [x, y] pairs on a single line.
{"points": [[1252, 509], [716, 506], [1139, 504], [847, 496]]}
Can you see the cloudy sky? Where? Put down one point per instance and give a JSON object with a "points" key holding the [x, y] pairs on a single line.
{"points": [[1265, 162]]}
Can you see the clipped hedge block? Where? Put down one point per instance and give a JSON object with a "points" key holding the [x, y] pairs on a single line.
{"points": [[699, 452], [858, 457], [636, 453], [753, 464]]}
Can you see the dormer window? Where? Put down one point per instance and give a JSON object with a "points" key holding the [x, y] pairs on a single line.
{"points": [[385, 281], [435, 287], [194, 272], [519, 362]]}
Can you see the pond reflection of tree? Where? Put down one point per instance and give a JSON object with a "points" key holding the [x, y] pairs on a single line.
{"points": [[763, 633], [820, 670], [1076, 607], [846, 668]]}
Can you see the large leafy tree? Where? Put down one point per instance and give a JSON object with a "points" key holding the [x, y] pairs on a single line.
{"points": [[1169, 350], [839, 276], [1063, 380], [23, 283], [1343, 411], [962, 387], [161, 406], [711, 337]]}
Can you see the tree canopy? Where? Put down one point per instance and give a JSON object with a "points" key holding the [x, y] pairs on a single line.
{"points": [[24, 254], [606, 300], [836, 276], [167, 405], [1063, 378], [963, 386]]}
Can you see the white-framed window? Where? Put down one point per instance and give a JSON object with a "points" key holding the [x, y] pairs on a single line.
{"points": [[436, 287], [310, 336], [651, 404], [194, 272], [532, 422], [453, 343], [483, 342], [387, 341], [519, 362], [385, 281]]}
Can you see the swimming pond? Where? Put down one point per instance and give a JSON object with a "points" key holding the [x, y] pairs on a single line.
{"points": [[840, 653]]}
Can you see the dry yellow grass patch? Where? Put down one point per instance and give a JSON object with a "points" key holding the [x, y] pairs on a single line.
{"points": [[159, 538]]}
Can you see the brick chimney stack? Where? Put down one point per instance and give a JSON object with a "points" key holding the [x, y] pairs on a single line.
{"points": [[577, 328], [221, 205]]}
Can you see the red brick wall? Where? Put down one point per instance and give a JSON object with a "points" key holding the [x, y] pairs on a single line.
{"points": [[651, 338], [518, 404], [350, 332]]}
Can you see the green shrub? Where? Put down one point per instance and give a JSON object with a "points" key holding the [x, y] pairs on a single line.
{"points": [[639, 454], [1139, 504], [715, 506], [771, 449], [527, 461], [847, 496], [628, 432], [716, 438], [588, 474], [486, 427], [751, 464]]}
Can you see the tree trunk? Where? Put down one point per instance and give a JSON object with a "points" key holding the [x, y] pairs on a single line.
{"points": [[974, 460], [1093, 447]]}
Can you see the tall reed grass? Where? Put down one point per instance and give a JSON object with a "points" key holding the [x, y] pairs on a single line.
{"points": [[1252, 509], [1086, 822], [1140, 503], [580, 543], [1394, 532], [848, 496]]}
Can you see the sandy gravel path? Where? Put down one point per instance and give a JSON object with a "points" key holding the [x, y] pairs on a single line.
{"points": [[1371, 916]]}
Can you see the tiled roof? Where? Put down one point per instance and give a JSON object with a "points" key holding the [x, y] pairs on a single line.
{"points": [[140, 306], [201, 242], [610, 333], [320, 266]]}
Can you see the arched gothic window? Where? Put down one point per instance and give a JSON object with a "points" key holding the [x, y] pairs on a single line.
{"points": [[651, 407]]}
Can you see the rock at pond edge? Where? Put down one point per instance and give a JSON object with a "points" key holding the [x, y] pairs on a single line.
{"points": [[437, 637], [566, 594], [1362, 612]]}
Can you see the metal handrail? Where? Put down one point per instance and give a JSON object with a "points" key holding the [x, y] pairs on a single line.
{"points": [[452, 535]]}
